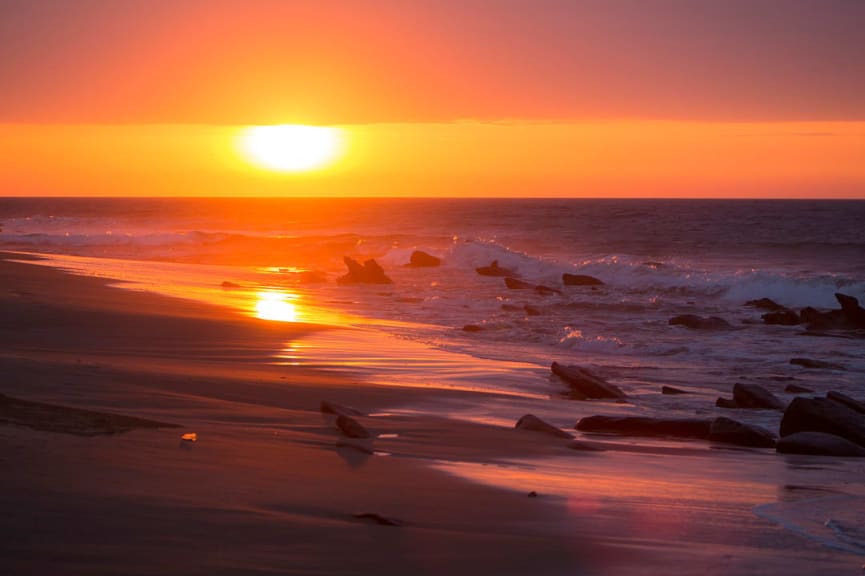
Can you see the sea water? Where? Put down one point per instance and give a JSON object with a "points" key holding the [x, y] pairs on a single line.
{"points": [[656, 259]]}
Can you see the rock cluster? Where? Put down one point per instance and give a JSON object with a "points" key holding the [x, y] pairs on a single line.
{"points": [[368, 273], [721, 429], [850, 316]]}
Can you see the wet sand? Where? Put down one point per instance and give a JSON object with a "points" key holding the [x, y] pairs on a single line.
{"points": [[271, 487]]}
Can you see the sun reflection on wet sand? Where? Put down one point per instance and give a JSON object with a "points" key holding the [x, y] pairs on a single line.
{"points": [[274, 305]]}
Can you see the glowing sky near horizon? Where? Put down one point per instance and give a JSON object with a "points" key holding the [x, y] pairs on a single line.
{"points": [[542, 97]]}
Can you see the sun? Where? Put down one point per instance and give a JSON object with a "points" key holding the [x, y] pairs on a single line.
{"points": [[292, 147]]}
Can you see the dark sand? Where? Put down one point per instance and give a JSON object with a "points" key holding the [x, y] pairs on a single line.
{"points": [[270, 487]]}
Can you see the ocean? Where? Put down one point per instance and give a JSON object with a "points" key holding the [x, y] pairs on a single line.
{"points": [[656, 258], [450, 327]]}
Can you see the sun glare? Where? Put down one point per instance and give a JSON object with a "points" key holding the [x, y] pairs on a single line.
{"points": [[292, 147], [275, 306]]}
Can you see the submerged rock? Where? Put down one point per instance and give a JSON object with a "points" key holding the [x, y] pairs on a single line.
{"points": [[700, 323], [535, 424], [586, 382], [671, 391], [580, 280], [644, 426], [516, 284], [472, 328], [531, 310], [730, 431], [765, 304], [755, 396], [420, 259], [370, 273], [823, 415], [796, 389], [495, 270], [819, 364], [546, 290], [337, 409], [819, 444], [226, 285], [351, 427]]}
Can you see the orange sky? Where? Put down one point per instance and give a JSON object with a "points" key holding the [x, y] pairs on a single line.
{"points": [[507, 98]]}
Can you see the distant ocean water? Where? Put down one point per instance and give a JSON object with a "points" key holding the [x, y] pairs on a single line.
{"points": [[657, 258]]}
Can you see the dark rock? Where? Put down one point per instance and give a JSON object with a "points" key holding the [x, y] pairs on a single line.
{"points": [[495, 270], [730, 431], [531, 310], [351, 427], [515, 284], [644, 426], [378, 519], [796, 389], [851, 403], [230, 285], [823, 415], [726, 403], [420, 259], [782, 318], [755, 396], [472, 328], [580, 280], [535, 424], [852, 310], [512, 307], [817, 320], [700, 323], [546, 290], [337, 409], [369, 273], [671, 390], [820, 364], [586, 383], [765, 304], [820, 444]]}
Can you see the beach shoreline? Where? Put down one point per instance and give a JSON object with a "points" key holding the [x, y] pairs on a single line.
{"points": [[270, 486]]}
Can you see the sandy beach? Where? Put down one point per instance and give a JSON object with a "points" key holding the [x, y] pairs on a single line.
{"points": [[271, 486]]}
